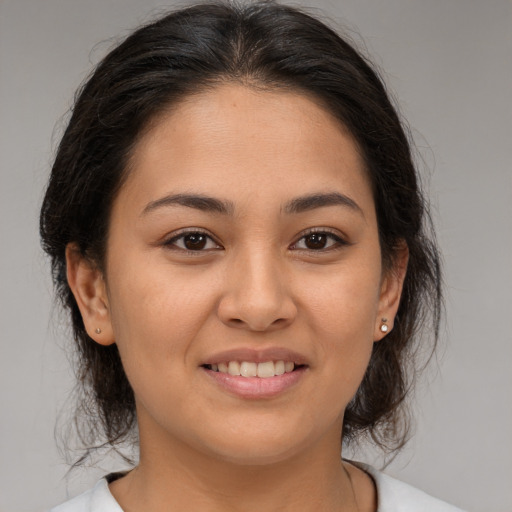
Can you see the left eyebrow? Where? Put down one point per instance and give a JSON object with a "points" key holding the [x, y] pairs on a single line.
{"points": [[313, 201]]}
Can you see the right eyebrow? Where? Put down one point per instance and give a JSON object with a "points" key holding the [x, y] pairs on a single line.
{"points": [[196, 201]]}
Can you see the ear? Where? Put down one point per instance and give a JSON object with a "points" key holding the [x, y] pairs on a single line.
{"points": [[88, 286], [391, 291]]}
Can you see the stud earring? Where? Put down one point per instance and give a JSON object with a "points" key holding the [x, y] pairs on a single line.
{"points": [[384, 327], [98, 330]]}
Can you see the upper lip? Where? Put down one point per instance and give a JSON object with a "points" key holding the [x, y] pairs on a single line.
{"points": [[256, 356]]}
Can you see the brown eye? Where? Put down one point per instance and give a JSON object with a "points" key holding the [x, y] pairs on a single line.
{"points": [[195, 241], [316, 241], [319, 241], [192, 241]]}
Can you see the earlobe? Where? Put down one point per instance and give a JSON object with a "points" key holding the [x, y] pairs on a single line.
{"points": [[391, 292], [89, 289]]}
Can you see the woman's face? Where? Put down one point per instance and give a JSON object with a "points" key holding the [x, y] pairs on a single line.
{"points": [[245, 233]]}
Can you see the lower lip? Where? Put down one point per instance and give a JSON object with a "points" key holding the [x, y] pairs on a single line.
{"points": [[257, 387]]}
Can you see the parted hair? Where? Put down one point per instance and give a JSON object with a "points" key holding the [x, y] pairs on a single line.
{"points": [[259, 44]]}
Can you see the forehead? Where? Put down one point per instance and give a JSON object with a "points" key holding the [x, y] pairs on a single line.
{"points": [[239, 141]]}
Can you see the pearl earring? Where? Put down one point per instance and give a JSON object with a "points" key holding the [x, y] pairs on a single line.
{"points": [[98, 330], [384, 327]]}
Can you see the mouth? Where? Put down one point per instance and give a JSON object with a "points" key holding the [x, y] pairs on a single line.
{"points": [[251, 374], [263, 370], [254, 374]]}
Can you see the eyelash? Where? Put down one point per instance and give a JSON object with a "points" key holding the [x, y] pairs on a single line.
{"points": [[171, 242], [337, 241]]}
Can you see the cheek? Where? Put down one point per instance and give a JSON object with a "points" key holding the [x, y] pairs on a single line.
{"points": [[155, 324], [344, 302], [340, 313], [154, 316]]}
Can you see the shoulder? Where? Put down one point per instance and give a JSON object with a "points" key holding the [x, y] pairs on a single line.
{"points": [[396, 496], [96, 499]]}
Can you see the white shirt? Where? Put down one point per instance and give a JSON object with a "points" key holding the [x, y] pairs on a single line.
{"points": [[392, 496]]}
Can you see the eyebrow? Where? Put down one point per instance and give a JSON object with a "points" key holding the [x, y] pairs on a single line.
{"points": [[212, 205], [196, 201], [313, 201]]}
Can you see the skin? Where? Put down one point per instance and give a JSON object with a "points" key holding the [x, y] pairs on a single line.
{"points": [[256, 284]]}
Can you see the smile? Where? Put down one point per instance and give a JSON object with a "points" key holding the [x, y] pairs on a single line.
{"points": [[263, 370], [255, 374]]}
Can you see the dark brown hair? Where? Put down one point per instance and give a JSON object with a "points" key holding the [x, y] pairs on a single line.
{"points": [[260, 44]]}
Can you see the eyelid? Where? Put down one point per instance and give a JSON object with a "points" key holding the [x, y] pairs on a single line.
{"points": [[169, 241], [338, 237]]}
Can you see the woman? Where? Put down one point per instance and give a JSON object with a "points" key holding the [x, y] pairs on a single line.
{"points": [[236, 228]]}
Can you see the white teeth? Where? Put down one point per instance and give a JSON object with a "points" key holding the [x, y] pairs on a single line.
{"points": [[234, 368], [279, 367], [249, 369], [266, 370]]}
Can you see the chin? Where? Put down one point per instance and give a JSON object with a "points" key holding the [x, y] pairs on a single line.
{"points": [[259, 448]]}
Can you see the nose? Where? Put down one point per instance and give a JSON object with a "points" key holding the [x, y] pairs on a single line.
{"points": [[256, 295]]}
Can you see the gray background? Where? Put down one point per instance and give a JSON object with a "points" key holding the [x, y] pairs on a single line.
{"points": [[449, 63]]}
